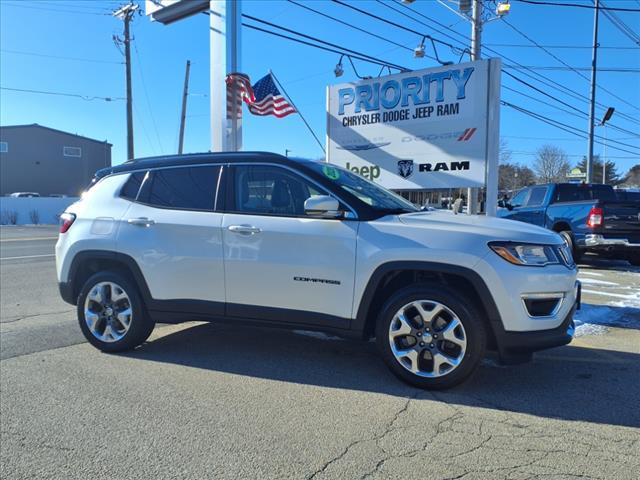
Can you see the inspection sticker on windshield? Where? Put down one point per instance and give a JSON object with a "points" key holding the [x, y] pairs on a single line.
{"points": [[331, 172]]}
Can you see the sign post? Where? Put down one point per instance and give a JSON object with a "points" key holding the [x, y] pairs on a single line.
{"points": [[431, 128]]}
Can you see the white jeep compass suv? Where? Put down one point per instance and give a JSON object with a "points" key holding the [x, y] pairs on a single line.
{"points": [[260, 239]]}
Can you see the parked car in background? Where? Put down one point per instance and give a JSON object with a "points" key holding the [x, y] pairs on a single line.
{"points": [[590, 217], [24, 194]]}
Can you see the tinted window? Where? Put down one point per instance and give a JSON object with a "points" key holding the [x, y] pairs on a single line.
{"points": [[132, 186], [184, 188], [579, 192], [537, 196], [271, 191]]}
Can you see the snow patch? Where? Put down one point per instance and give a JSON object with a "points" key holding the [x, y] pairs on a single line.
{"points": [[593, 281], [594, 319], [594, 274]]}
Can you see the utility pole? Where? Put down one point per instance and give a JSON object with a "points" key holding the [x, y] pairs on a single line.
{"points": [[183, 115], [126, 14], [594, 68]]}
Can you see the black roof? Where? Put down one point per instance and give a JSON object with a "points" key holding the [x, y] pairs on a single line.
{"points": [[197, 159]]}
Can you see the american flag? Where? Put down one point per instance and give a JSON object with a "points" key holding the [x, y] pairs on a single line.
{"points": [[263, 98]]}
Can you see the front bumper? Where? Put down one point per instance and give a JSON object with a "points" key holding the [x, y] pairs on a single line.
{"points": [[517, 347]]}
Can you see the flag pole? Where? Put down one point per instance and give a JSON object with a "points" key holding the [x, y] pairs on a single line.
{"points": [[297, 110]]}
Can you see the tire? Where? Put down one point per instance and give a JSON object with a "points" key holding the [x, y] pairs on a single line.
{"points": [[567, 236], [470, 336], [111, 313]]}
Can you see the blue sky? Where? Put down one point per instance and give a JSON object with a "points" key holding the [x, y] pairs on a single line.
{"points": [[41, 30]]}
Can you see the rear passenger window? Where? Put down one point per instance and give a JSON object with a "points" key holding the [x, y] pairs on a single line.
{"points": [[132, 186], [182, 188]]}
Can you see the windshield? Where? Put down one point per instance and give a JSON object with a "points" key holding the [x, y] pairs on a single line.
{"points": [[370, 193]]}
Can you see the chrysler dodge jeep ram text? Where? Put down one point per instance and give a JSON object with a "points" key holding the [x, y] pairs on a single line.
{"points": [[259, 239]]}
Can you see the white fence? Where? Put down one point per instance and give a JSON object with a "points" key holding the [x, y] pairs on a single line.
{"points": [[36, 210]]}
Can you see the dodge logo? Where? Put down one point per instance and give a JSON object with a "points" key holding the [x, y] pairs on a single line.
{"points": [[405, 168]]}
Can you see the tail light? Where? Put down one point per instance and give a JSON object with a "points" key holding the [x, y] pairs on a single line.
{"points": [[595, 218], [66, 220]]}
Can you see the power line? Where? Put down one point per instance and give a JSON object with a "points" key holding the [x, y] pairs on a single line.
{"points": [[578, 5], [542, 78], [146, 94], [620, 25], [356, 56], [563, 126], [582, 47], [59, 57], [558, 59], [33, 7], [582, 69], [350, 25], [76, 95], [309, 37]]}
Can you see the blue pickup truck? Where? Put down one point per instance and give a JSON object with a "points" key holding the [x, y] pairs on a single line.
{"points": [[590, 217]]}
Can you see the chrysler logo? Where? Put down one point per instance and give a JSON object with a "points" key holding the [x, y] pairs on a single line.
{"points": [[405, 168]]}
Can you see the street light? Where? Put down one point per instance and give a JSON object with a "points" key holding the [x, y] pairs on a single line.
{"points": [[418, 52], [503, 8], [603, 123], [339, 70]]}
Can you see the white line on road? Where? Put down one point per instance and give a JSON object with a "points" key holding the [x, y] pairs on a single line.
{"points": [[28, 256], [27, 239]]}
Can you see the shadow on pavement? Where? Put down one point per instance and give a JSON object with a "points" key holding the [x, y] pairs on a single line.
{"points": [[569, 383]]}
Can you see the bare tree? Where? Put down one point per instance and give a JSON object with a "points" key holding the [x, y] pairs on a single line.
{"points": [[551, 164], [512, 176]]}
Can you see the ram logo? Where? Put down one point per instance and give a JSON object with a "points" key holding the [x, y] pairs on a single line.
{"points": [[405, 168]]}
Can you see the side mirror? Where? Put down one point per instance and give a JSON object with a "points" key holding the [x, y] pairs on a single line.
{"points": [[322, 206], [509, 206]]}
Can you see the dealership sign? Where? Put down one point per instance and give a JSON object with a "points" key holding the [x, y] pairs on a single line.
{"points": [[432, 128]]}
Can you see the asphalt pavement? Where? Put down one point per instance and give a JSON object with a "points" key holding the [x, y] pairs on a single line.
{"points": [[210, 401]]}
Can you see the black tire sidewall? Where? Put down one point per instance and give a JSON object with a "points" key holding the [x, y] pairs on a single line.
{"points": [[473, 324], [141, 324], [575, 251]]}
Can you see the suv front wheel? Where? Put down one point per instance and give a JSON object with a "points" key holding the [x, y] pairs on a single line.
{"points": [[111, 313], [430, 337]]}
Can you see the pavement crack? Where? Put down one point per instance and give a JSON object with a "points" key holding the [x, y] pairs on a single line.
{"points": [[388, 428], [17, 319]]}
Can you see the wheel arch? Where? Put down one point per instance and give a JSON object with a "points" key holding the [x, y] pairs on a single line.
{"points": [[561, 226], [390, 277], [89, 262]]}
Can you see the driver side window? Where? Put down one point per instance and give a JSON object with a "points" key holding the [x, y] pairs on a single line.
{"points": [[270, 190]]}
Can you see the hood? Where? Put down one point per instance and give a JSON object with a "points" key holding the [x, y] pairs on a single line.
{"points": [[490, 227]]}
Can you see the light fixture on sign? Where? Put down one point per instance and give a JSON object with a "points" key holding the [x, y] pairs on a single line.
{"points": [[503, 8], [339, 70]]}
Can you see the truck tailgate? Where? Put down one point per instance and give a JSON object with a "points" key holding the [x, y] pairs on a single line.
{"points": [[621, 220]]}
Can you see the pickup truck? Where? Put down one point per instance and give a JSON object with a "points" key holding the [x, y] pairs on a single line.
{"points": [[590, 218]]}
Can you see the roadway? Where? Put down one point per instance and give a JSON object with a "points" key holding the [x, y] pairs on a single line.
{"points": [[209, 401]]}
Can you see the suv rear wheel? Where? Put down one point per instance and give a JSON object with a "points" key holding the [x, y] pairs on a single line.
{"points": [[111, 313], [430, 337]]}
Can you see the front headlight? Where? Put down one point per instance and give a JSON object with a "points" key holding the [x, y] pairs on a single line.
{"points": [[526, 253]]}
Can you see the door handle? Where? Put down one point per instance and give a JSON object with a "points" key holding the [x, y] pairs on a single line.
{"points": [[141, 221], [244, 229]]}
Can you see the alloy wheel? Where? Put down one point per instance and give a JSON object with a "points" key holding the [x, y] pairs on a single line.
{"points": [[108, 312], [427, 338]]}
